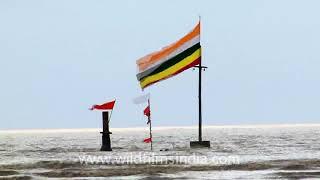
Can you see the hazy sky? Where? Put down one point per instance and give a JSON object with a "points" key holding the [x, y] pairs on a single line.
{"points": [[59, 57]]}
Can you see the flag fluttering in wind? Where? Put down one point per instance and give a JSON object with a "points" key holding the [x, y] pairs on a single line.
{"points": [[105, 106], [147, 140], [170, 60], [141, 99], [146, 111]]}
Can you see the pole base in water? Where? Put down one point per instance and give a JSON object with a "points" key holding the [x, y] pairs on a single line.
{"points": [[200, 144], [105, 148], [106, 143]]}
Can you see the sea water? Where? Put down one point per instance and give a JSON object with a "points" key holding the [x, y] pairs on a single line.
{"points": [[237, 152]]}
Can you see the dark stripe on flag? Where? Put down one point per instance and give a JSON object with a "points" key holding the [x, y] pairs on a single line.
{"points": [[170, 62], [194, 63]]}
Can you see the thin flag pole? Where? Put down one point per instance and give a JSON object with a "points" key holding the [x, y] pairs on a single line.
{"points": [[149, 119], [200, 27], [199, 89], [200, 143]]}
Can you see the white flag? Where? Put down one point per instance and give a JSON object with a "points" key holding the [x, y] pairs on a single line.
{"points": [[141, 99]]}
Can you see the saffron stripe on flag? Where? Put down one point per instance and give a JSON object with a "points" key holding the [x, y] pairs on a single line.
{"points": [[145, 62], [171, 60], [179, 50]]}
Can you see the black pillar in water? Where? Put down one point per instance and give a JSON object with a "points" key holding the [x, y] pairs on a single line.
{"points": [[106, 142]]}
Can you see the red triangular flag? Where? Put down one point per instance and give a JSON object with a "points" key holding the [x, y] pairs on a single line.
{"points": [[147, 111], [105, 106], [147, 140]]}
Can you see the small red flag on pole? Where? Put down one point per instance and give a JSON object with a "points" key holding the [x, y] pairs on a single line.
{"points": [[105, 106], [147, 140], [147, 113]]}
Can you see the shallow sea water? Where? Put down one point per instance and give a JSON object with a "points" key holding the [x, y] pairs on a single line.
{"points": [[237, 152]]}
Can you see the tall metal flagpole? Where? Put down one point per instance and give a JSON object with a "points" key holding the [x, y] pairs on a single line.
{"points": [[200, 143], [199, 96]]}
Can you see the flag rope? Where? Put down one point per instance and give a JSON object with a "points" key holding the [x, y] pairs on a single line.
{"points": [[111, 113]]}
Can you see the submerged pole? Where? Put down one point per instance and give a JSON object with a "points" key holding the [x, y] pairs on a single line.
{"points": [[106, 142]]}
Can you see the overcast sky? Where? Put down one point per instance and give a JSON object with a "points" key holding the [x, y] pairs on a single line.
{"points": [[57, 58]]}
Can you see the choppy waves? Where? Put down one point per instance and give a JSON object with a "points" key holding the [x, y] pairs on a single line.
{"points": [[290, 153], [59, 169]]}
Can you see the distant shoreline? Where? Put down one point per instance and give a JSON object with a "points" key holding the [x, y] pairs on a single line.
{"points": [[75, 130]]}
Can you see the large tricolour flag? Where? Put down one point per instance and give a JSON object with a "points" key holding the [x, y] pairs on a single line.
{"points": [[170, 60]]}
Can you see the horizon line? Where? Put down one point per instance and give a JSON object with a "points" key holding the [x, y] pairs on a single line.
{"points": [[138, 128]]}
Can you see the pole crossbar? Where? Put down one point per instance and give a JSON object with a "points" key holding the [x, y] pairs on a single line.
{"points": [[202, 67]]}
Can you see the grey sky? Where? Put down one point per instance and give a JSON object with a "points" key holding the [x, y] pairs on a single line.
{"points": [[59, 57]]}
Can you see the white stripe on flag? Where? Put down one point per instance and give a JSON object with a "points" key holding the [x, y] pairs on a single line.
{"points": [[141, 99]]}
